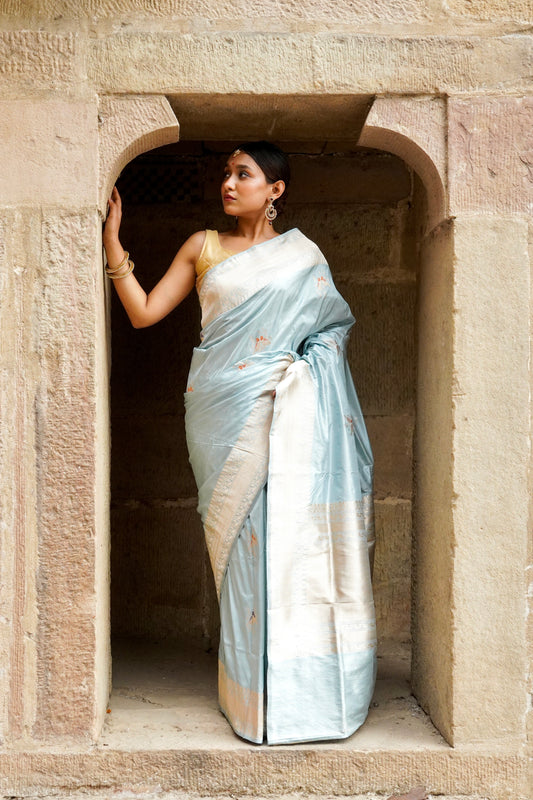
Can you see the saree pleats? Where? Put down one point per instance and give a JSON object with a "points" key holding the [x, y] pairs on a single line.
{"points": [[284, 488]]}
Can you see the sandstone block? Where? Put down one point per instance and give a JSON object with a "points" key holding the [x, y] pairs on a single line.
{"points": [[392, 570], [392, 444], [365, 178], [491, 155], [160, 354], [415, 130], [33, 61], [294, 119], [158, 570], [50, 147], [433, 624], [127, 127], [20, 236], [303, 63], [150, 459], [362, 244], [65, 415], [260, 12], [185, 62], [421, 64], [491, 10], [491, 462], [381, 348]]}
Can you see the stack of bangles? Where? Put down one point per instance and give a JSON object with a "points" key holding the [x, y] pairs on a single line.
{"points": [[119, 272]]}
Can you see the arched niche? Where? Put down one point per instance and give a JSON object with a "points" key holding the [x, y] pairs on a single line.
{"points": [[413, 130]]}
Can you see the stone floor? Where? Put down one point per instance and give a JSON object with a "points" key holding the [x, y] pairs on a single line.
{"points": [[165, 697], [165, 739]]}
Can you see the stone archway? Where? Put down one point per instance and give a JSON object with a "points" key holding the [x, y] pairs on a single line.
{"points": [[445, 583], [425, 118]]}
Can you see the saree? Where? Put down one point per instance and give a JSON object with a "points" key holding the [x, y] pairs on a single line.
{"points": [[284, 467]]}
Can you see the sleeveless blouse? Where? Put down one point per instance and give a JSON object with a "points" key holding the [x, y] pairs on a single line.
{"points": [[212, 254]]}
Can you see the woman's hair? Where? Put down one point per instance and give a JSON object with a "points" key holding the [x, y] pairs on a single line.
{"points": [[274, 163]]}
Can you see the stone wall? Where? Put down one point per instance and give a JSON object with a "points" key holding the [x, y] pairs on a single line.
{"points": [[445, 86]]}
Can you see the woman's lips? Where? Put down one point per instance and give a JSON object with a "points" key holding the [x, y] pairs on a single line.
{"points": [[228, 197]]}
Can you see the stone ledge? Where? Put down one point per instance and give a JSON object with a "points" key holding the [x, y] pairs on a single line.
{"points": [[275, 770]]}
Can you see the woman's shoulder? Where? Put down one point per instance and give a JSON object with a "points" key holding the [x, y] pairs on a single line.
{"points": [[193, 247]]}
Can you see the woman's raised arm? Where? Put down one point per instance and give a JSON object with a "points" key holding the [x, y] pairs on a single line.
{"points": [[147, 309]]}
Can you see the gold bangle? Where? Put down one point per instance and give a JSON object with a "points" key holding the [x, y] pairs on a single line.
{"points": [[123, 263], [130, 269]]}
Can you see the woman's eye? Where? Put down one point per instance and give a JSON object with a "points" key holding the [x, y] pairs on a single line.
{"points": [[243, 174]]}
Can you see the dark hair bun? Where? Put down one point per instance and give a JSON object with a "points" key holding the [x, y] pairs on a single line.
{"points": [[274, 163]]}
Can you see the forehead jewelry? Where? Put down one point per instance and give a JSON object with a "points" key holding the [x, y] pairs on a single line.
{"points": [[236, 153]]}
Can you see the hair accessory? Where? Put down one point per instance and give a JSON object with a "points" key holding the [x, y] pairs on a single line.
{"points": [[114, 277], [270, 211], [236, 153]]}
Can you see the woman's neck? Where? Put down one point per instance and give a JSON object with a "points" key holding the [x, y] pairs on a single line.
{"points": [[253, 230]]}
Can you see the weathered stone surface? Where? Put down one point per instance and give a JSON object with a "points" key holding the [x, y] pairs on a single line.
{"points": [[433, 643], [491, 155], [149, 458], [158, 570], [49, 147], [391, 438], [364, 178], [432, 64], [271, 771], [37, 60], [257, 13], [161, 354], [392, 570], [293, 119], [19, 252], [491, 10], [130, 126], [321, 63], [490, 476], [66, 481], [361, 244], [381, 348], [415, 130]]}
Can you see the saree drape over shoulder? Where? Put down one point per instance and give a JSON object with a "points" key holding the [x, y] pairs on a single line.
{"points": [[284, 488]]}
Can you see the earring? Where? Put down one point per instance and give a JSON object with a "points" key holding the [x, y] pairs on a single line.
{"points": [[270, 211]]}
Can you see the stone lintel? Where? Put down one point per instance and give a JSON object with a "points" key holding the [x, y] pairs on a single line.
{"points": [[302, 63]]}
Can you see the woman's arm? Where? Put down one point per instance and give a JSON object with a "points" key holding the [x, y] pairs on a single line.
{"points": [[142, 309]]}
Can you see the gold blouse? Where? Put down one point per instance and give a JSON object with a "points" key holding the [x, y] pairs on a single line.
{"points": [[212, 254]]}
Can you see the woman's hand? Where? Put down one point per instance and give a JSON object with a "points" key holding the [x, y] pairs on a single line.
{"points": [[114, 218]]}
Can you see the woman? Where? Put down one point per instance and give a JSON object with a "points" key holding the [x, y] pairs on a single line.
{"points": [[281, 458]]}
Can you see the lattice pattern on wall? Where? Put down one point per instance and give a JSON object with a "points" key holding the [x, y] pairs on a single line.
{"points": [[162, 179]]}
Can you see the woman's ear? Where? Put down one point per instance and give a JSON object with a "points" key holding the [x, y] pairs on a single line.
{"points": [[277, 189]]}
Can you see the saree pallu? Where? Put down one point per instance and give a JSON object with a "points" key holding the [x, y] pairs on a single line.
{"points": [[283, 466]]}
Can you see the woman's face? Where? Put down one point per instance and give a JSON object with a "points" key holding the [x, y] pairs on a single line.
{"points": [[245, 190]]}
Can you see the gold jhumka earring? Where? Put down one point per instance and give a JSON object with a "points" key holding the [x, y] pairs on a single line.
{"points": [[270, 211]]}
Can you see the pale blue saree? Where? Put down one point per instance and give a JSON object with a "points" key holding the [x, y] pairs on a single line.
{"points": [[284, 489]]}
